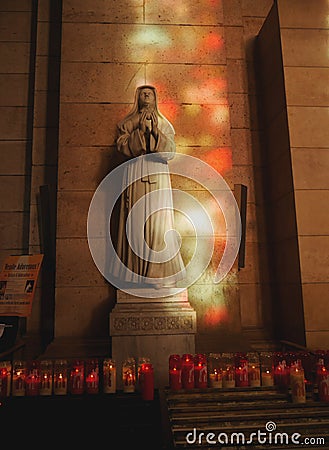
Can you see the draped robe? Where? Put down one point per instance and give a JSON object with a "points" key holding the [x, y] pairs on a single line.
{"points": [[152, 176]]}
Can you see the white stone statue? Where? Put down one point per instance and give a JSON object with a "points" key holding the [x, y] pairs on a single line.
{"points": [[147, 243]]}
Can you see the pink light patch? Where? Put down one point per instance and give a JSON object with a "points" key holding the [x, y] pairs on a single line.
{"points": [[169, 110], [213, 41], [216, 315], [219, 158]]}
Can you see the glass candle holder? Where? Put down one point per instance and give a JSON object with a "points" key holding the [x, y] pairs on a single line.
{"points": [[319, 363], [77, 376], [253, 369], [33, 379], [109, 376], [297, 383], [92, 376], [308, 361], [175, 372], [200, 371], [241, 370], [129, 375], [281, 372], [147, 381], [187, 371], [60, 377], [291, 358], [323, 383], [141, 360], [228, 370], [46, 377], [18, 378], [215, 371], [277, 358], [5, 378], [266, 367]]}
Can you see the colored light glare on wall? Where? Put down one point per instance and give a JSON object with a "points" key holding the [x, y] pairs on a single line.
{"points": [[219, 158], [213, 41], [186, 65], [211, 91], [151, 35], [216, 315], [216, 311], [220, 114]]}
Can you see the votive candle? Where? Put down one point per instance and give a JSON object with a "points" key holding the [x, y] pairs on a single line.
{"points": [[19, 375], [175, 372], [77, 377], [5, 378], [33, 380], [187, 371], [200, 371], [92, 376], [46, 377], [109, 376], [129, 375], [60, 376], [147, 381]]}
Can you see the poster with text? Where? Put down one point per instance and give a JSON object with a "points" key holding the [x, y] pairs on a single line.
{"points": [[18, 279]]}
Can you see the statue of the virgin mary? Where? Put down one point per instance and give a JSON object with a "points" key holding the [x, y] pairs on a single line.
{"points": [[147, 243]]}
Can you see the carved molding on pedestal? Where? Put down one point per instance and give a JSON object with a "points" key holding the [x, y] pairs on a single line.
{"points": [[173, 315], [172, 323]]}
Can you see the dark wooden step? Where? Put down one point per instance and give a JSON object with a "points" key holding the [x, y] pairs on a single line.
{"points": [[247, 416], [245, 410], [284, 431]]}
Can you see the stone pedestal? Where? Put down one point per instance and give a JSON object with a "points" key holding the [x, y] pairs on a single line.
{"points": [[152, 327]]}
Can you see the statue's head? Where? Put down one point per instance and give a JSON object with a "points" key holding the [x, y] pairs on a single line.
{"points": [[146, 98]]}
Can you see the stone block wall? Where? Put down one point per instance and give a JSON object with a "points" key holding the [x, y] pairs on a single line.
{"points": [[278, 186], [30, 54], [195, 54], [68, 74], [293, 62], [15, 125], [199, 55], [304, 26]]}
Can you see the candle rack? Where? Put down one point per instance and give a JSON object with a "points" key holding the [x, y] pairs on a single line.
{"points": [[289, 372]]}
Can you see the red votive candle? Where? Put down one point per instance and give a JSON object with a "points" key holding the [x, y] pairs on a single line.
{"points": [[46, 377], [200, 371], [92, 376], [77, 377], [253, 369], [19, 377], [319, 370], [141, 360], [241, 371], [33, 380], [323, 386], [297, 383], [282, 376], [129, 375], [228, 370], [4, 381], [175, 372], [322, 380], [147, 381], [60, 377], [187, 371]]}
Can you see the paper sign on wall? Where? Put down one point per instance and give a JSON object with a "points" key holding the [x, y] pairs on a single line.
{"points": [[18, 279]]}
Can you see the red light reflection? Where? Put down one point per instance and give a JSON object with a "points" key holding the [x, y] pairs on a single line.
{"points": [[213, 41], [219, 158], [216, 315]]}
